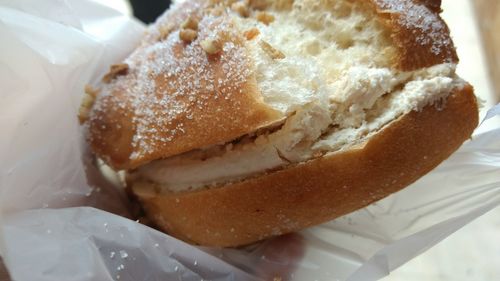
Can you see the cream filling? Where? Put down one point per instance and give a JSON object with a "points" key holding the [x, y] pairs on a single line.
{"points": [[334, 85], [291, 144], [357, 106]]}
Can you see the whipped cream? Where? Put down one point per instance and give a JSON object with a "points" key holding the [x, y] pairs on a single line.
{"points": [[308, 130]]}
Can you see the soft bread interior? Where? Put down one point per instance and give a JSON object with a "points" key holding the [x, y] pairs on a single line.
{"points": [[327, 65]]}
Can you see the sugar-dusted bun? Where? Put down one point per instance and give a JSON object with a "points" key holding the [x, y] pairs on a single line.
{"points": [[241, 120]]}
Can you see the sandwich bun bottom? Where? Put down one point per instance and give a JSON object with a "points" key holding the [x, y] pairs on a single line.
{"points": [[319, 190]]}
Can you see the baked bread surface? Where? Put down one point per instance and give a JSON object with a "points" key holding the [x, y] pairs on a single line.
{"points": [[172, 97], [183, 92]]}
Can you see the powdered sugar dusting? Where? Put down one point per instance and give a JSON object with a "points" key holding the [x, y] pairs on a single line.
{"points": [[169, 80], [425, 24]]}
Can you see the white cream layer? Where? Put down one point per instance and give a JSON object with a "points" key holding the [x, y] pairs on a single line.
{"points": [[309, 130]]}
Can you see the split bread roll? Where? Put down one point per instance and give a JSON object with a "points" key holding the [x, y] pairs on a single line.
{"points": [[240, 120]]}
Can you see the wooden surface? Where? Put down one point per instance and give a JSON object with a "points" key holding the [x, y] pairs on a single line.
{"points": [[488, 15]]}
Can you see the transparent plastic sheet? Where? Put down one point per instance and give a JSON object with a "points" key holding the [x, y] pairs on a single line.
{"points": [[52, 220]]}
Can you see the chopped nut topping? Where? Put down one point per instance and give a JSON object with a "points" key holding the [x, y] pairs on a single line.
{"points": [[265, 18], [241, 8], [86, 104], [188, 35], [211, 46], [190, 23], [251, 33], [83, 114], [188, 32], [271, 51], [91, 91], [258, 4], [115, 70]]}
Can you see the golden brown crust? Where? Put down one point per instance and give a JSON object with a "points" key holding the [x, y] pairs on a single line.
{"points": [[150, 112], [173, 91], [321, 189], [419, 33]]}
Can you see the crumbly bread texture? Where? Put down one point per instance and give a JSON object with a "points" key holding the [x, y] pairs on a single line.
{"points": [[240, 120]]}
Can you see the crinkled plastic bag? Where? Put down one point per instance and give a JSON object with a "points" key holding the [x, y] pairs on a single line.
{"points": [[54, 223]]}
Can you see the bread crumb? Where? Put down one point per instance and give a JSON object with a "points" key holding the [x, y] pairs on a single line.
{"points": [[241, 8], [251, 33], [271, 51], [188, 35], [115, 70], [264, 17], [211, 46]]}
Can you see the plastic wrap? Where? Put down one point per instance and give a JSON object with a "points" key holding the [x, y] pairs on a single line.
{"points": [[55, 210]]}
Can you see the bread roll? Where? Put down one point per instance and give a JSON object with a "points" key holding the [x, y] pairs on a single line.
{"points": [[240, 120]]}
